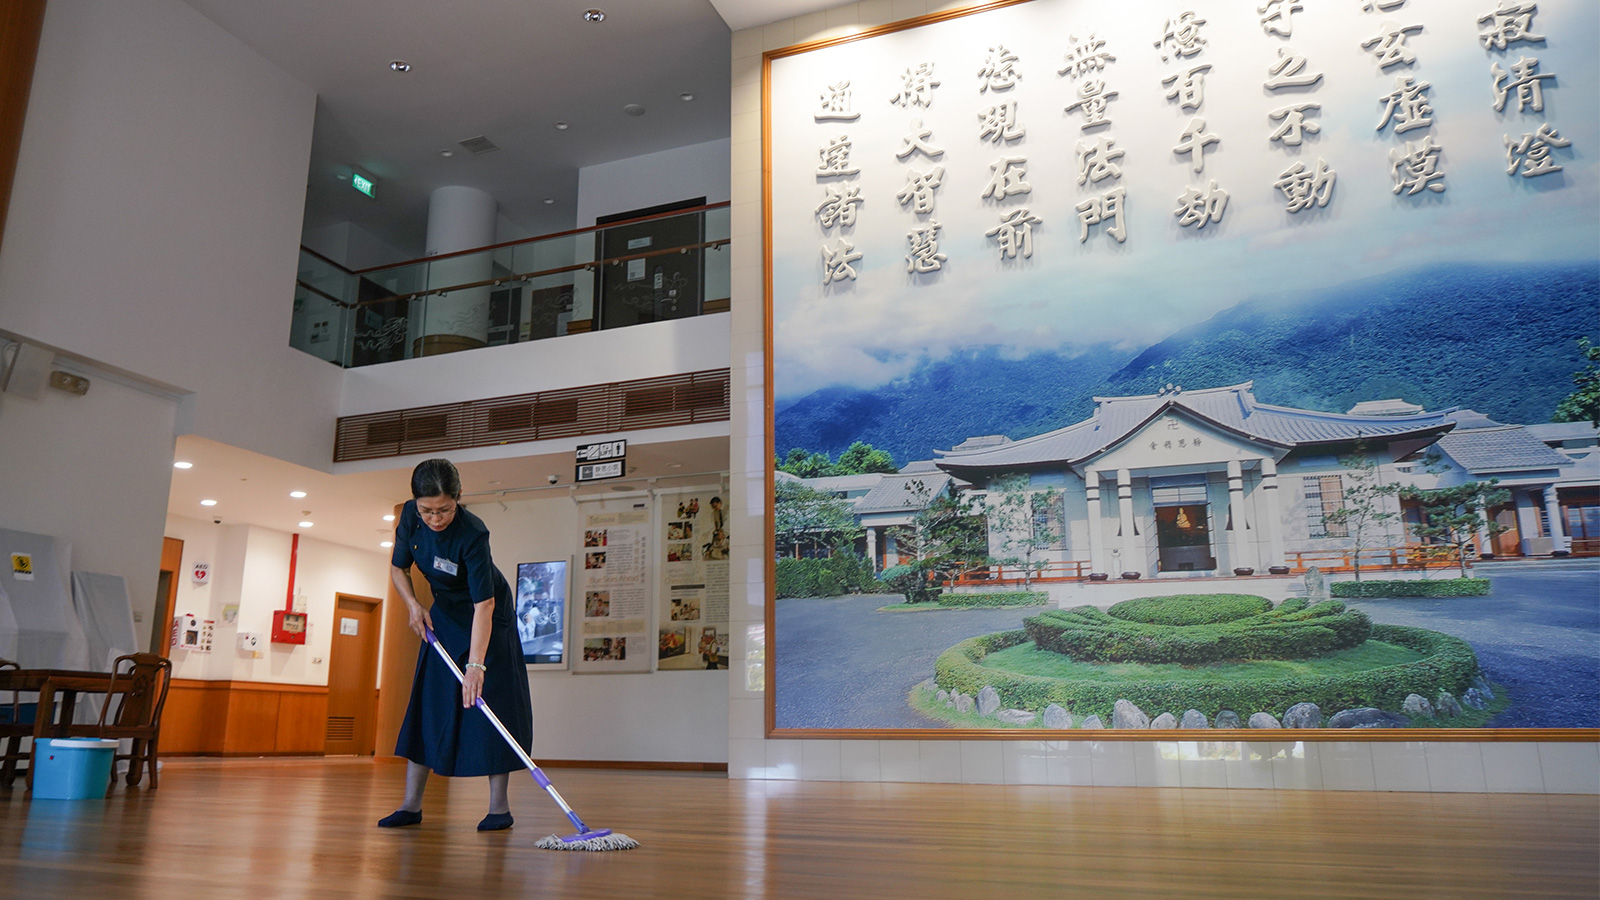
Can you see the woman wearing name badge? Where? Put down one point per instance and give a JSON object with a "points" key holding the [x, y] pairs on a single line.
{"points": [[474, 619]]}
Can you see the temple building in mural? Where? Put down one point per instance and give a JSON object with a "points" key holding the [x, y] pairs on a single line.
{"points": [[1206, 483]]}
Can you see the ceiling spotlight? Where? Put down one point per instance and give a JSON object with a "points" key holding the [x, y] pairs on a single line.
{"points": [[297, 494], [400, 65], [388, 518], [633, 109], [306, 524], [208, 503], [594, 15], [447, 153], [562, 126], [183, 465], [686, 96], [549, 200]]}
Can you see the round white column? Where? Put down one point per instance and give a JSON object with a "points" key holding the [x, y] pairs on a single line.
{"points": [[459, 218], [1097, 542]]}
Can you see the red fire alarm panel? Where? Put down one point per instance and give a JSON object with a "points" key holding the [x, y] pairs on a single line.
{"points": [[288, 627]]}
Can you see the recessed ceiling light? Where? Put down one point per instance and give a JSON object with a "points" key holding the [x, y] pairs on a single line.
{"points": [[562, 126], [388, 518], [594, 15], [208, 503], [386, 544], [549, 200], [674, 465], [183, 465], [633, 109], [400, 65], [297, 494], [306, 524], [447, 153], [686, 96]]}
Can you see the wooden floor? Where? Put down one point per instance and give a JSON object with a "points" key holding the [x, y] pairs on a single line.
{"points": [[300, 828]]}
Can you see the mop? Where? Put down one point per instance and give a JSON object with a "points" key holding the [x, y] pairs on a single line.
{"points": [[586, 838]]}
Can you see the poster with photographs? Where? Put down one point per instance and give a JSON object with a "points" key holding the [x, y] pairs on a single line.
{"points": [[613, 593], [693, 629]]}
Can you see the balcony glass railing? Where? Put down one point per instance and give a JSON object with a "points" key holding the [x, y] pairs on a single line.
{"points": [[668, 266]]}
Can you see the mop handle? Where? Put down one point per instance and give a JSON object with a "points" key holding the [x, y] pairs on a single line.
{"points": [[538, 774]]}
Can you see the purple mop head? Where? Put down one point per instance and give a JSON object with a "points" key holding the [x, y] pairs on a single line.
{"points": [[598, 839]]}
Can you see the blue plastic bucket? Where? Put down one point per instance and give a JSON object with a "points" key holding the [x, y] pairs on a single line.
{"points": [[72, 768]]}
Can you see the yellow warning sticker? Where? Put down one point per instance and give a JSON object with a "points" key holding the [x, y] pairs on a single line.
{"points": [[22, 566]]}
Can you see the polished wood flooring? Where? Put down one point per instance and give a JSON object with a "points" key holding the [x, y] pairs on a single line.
{"points": [[304, 828]]}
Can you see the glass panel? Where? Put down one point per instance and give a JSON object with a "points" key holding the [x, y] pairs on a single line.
{"points": [[666, 268]]}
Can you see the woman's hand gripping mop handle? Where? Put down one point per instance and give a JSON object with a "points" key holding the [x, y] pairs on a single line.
{"points": [[583, 830]]}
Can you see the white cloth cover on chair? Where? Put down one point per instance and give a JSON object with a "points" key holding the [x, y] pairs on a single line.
{"points": [[49, 635], [8, 627], [106, 615]]}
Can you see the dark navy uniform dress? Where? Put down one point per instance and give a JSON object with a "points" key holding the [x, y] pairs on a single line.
{"points": [[438, 732]]}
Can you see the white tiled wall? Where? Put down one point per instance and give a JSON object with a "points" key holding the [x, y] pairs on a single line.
{"points": [[1352, 765]]}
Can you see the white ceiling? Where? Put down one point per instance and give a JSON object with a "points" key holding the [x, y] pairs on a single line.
{"points": [[348, 509]]}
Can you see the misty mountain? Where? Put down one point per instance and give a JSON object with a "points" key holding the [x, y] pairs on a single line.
{"points": [[1500, 339]]}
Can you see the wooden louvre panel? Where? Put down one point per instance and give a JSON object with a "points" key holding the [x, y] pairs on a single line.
{"points": [[341, 728], [568, 412]]}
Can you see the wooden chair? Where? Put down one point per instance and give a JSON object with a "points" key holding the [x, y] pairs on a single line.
{"points": [[138, 695], [13, 729]]}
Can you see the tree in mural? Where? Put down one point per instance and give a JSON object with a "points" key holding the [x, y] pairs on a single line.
{"points": [[1455, 515], [805, 517], [1583, 404], [1368, 506], [1026, 523], [946, 537]]}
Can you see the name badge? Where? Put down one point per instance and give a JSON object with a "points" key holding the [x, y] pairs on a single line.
{"points": [[444, 565]]}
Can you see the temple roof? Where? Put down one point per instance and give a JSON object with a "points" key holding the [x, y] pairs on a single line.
{"points": [[1481, 445], [900, 493], [1232, 409]]}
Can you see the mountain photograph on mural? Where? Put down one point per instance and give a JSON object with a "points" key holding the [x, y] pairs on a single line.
{"points": [[1498, 339]]}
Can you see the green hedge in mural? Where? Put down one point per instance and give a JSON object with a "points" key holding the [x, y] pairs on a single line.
{"points": [[1447, 664], [831, 577], [1449, 587], [1190, 609], [994, 600], [1293, 630]]}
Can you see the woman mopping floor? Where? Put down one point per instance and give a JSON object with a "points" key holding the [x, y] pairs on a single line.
{"points": [[471, 628], [472, 619]]}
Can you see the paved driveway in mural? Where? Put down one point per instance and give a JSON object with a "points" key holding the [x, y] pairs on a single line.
{"points": [[842, 664]]}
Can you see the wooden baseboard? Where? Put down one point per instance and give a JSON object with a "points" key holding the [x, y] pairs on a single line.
{"points": [[632, 764]]}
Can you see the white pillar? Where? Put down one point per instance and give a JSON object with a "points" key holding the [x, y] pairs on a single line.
{"points": [[1097, 541], [1558, 531], [459, 218], [1131, 559], [1485, 545], [872, 548], [1236, 550], [1272, 512]]}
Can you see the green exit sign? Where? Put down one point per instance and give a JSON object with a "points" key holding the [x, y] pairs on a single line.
{"points": [[363, 185]]}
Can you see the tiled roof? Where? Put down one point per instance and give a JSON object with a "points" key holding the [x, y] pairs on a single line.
{"points": [[1232, 408], [897, 493], [1504, 448]]}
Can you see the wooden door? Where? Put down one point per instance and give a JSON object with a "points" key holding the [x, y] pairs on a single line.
{"points": [[166, 596], [353, 676]]}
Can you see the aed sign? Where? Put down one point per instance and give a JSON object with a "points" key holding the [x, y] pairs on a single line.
{"points": [[602, 451], [202, 573], [364, 185]]}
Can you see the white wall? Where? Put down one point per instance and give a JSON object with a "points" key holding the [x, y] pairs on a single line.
{"points": [[156, 216], [94, 470], [643, 351], [654, 179], [250, 568], [661, 716]]}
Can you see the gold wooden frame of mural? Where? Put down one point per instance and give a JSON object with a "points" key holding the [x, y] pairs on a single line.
{"points": [[1001, 734]]}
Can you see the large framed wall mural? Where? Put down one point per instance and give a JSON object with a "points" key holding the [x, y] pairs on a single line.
{"points": [[1187, 369]]}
